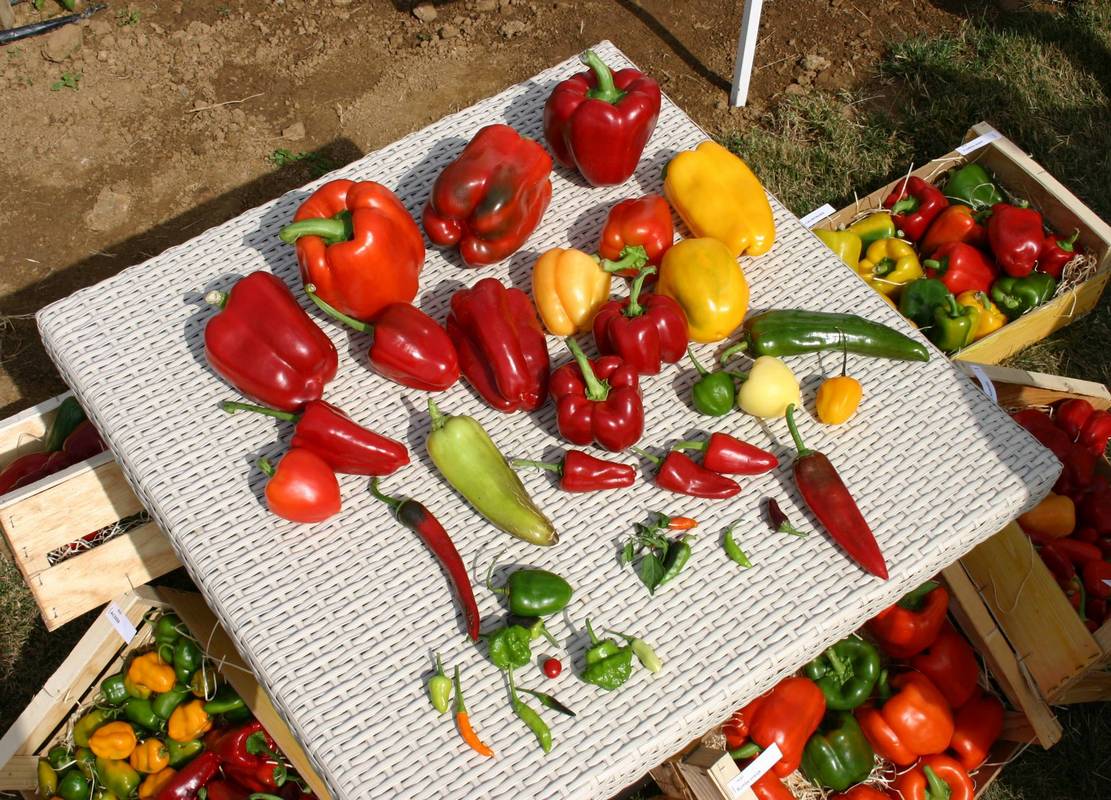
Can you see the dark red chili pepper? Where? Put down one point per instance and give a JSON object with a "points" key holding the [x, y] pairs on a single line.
{"points": [[1096, 433], [828, 497], [1095, 511], [1015, 235], [582, 472], [677, 473], [1086, 534], [1096, 610], [419, 519], [1077, 552], [1097, 578], [722, 453], [30, 466], [1056, 253], [1071, 415], [779, 521], [1058, 564], [914, 203], [185, 784], [84, 442]]}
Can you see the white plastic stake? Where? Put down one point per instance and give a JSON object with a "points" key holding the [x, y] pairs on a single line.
{"points": [[817, 215], [985, 382], [979, 141], [746, 52], [757, 769], [120, 622]]}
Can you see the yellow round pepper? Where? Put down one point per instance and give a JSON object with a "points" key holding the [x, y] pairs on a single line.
{"points": [[150, 756], [115, 740], [151, 671], [990, 318], [708, 284], [155, 782], [189, 721], [889, 264], [838, 399], [768, 389], [569, 287]]}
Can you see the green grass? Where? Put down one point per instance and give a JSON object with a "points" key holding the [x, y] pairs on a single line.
{"points": [[68, 80], [317, 163]]}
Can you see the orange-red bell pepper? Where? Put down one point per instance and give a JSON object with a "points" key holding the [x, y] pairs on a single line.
{"points": [[957, 223], [785, 716], [911, 625], [936, 778], [862, 792], [976, 728], [951, 665], [913, 722], [640, 230]]}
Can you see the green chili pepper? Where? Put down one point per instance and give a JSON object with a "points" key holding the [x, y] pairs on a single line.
{"points": [[181, 752], [237, 715], [846, 673], [164, 703], [86, 761], [713, 393], [59, 757], [47, 779], [535, 627], [643, 651], [142, 713], [187, 658], [225, 701], [84, 727], [439, 688], [548, 701], [66, 419], [608, 665], [531, 719], [167, 630], [116, 776], [733, 550], [532, 592], [72, 786], [509, 648], [113, 690], [678, 554]]}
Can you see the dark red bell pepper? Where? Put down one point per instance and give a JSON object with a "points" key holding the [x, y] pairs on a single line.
{"points": [[302, 487], [188, 781], [358, 245], [1015, 235], [582, 472], [645, 331], [640, 229], [976, 727], [1056, 253], [914, 204], [1096, 433], [1071, 415], [677, 472], [250, 757], [599, 121], [25, 469], [502, 350], [1097, 578], [83, 442], [490, 199], [344, 445], [725, 454], [912, 624], [951, 664], [1095, 511], [961, 267], [264, 344], [598, 401]]}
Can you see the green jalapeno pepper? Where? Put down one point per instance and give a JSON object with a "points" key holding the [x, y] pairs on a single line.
{"points": [[187, 658], [142, 713], [734, 550], [73, 786], [164, 703], [181, 752], [533, 592], [113, 690], [47, 778], [167, 629], [84, 727], [608, 665], [531, 719], [118, 777], [237, 715], [225, 701]]}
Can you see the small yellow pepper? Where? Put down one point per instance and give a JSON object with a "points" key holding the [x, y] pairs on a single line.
{"points": [[846, 245], [991, 318], [569, 287], [839, 397], [768, 389], [708, 284], [150, 756], [115, 740], [716, 194], [150, 671], [889, 264], [189, 721], [155, 782]]}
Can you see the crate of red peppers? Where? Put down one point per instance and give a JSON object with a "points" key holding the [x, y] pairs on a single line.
{"points": [[981, 249]]}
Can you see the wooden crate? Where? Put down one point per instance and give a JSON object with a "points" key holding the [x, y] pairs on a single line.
{"points": [[101, 652], [39, 518], [1062, 210]]}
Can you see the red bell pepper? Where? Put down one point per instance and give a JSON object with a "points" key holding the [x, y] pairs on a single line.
{"points": [[914, 722], [344, 445], [490, 199], [951, 665], [1056, 253], [502, 350], [914, 204], [25, 469], [357, 244], [724, 454], [645, 331], [225, 789], [302, 488], [639, 229], [188, 781], [250, 757], [582, 472], [770, 787], [1015, 235], [956, 223], [264, 344], [1038, 423], [1095, 609], [961, 267], [912, 624], [863, 791], [936, 778], [1097, 578], [1096, 433], [1071, 415], [598, 401], [677, 472], [977, 726], [83, 442], [599, 121], [1095, 511], [785, 716]]}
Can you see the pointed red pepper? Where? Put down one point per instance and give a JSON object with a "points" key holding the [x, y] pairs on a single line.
{"points": [[83, 442], [1096, 433], [264, 344], [951, 664], [976, 727], [599, 121], [302, 488], [641, 227], [582, 472], [724, 454], [1015, 235], [597, 401], [914, 204], [678, 473], [1071, 415], [1056, 253], [961, 267], [190, 779], [645, 331]]}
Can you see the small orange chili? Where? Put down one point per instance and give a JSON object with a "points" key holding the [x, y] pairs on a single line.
{"points": [[189, 721], [681, 524], [840, 396], [150, 756], [463, 720]]}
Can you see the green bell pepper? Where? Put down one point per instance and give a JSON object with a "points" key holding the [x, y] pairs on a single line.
{"points": [[714, 393], [141, 712], [225, 701], [509, 648], [164, 703], [954, 325], [114, 690], [837, 755], [972, 186], [167, 629], [181, 752], [846, 673], [84, 727], [47, 779], [532, 592], [920, 298], [59, 757], [608, 664], [73, 786], [118, 777], [187, 659], [873, 228], [1016, 296]]}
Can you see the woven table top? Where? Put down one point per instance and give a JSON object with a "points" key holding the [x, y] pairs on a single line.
{"points": [[340, 620]]}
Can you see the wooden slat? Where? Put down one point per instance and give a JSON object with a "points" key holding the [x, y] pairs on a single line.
{"points": [[1017, 728], [1017, 388], [20, 773], [28, 427], [1093, 687], [1001, 755], [1103, 638]]}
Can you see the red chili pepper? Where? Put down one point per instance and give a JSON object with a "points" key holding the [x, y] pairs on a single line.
{"points": [[976, 727], [1095, 511], [961, 267], [956, 223], [779, 521], [1079, 467], [582, 472], [502, 349], [1104, 546], [31, 465], [225, 789], [490, 199], [677, 473], [1015, 235], [914, 204], [1096, 433], [862, 791], [911, 625], [357, 244], [1077, 552], [638, 229], [951, 664], [302, 488], [552, 667], [599, 121], [264, 344], [1097, 578], [1096, 610], [770, 787], [1056, 253], [597, 401], [1086, 534], [645, 331], [187, 782], [1058, 564], [827, 496], [936, 777], [1071, 415], [83, 442], [722, 453], [1038, 423], [681, 523]]}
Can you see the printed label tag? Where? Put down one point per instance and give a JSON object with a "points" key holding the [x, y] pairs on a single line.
{"points": [[817, 215], [120, 622], [755, 770], [979, 141], [985, 382]]}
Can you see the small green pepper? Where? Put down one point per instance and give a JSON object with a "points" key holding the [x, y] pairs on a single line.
{"points": [[59, 757], [113, 690], [141, 712], [84, 727], [204, 682], [167, 629], [734, 550], [509, 647], [608, 665], [678, 554], [136, 689], [973, 186], [531, 719], [86, 761], [181, 752], [713, 393], [187, 659], [225, 701], [47, 779], [1016, 296], [164, 703], [920, 298], [838, 754], [73, 786], [439, 688], [532, 592], [846, 673], [237, 715], [100, 793], [118, 777], [643, 651]]}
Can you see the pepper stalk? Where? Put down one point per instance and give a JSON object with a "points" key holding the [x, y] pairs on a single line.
{"points": [[596, 390], [605, 90]]}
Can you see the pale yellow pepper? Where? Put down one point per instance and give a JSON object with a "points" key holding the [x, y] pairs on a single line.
{"points": [[990, 318], [890, 264], [768, 389], [704, 278], [717, 195], [569, 287]]}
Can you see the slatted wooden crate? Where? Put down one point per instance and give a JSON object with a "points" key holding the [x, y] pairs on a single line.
{"points": [[42, 517]]}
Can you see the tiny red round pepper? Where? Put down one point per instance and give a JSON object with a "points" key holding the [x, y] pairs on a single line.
{"points": [[951, 664], [1056, 253], [641, 228], [1015, 235], [914, 204], [302, 488], [977, 726], [582, 472], [646, 331], [597, 401], [936, 777], [724, 454], [961, 267], [678, 473]]}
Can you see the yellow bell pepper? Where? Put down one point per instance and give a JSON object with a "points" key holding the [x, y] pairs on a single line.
{"points": [[703, 277], [889, 264], [716, 195], [768, 389], [115, 740], [156, 782], [151, 671], [150, 756], [846, 245], [569, 287], [874, 227], [991, 318], [189, 721]]}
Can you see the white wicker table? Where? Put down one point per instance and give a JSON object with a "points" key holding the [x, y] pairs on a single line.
{"points": [[339, 620]]}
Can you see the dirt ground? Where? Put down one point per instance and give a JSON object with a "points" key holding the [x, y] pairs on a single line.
{"points": [[149, 123]]}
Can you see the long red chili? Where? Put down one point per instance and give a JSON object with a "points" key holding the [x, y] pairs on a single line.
{"points": [[419, 519], [677, 472], [189, 780], [828, 497], [582, 472], [725, 454]]}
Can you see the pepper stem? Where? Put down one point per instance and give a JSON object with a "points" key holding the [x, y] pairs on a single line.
{"points": [[701, 369], [595, 389], [645, 454], [335, 313], [217, 298], [885, 266], [690, 444], [490, 576], [521, 463], [439, 419], [266, 467], [906, 205], [933, 263], [912, 600], [839, 667], [745, 751], [392, 502], [590, 630], [459, 707], [605, 90], [1069, 244], [731, 351], [844, 353], [634, 308], [230, 408], [936, 788], [439, 663], [632, 257], [332, 230], [802, 448]]}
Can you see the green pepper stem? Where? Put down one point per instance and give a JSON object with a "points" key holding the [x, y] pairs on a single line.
{"points": [[701, 369], [335, 313], [690, 444], [217, 298], [605, 90], [952, 308], [230, 408], [266, 467], [1069, 244], [912, 600], [519, 463], [793, 428], [885, 266], [838, 665], [634, 308], [590, 630], [512, 688], [439, 666], [392, 502], [490, 576], [459, 707], [746, 751], [731, 351], [645, 454], [632, 257], [332, 230], [933, 263], [439, 419], [595, 389], [907, 205], [936, 789]]}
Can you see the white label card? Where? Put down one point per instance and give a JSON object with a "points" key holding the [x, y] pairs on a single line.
{"points": [[120, 622], [985, 382], [817, 215], [979, 141], [757, 769]]}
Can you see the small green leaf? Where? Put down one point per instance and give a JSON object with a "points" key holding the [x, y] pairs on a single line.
{"points": [[627, 553], [651, 571]]}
